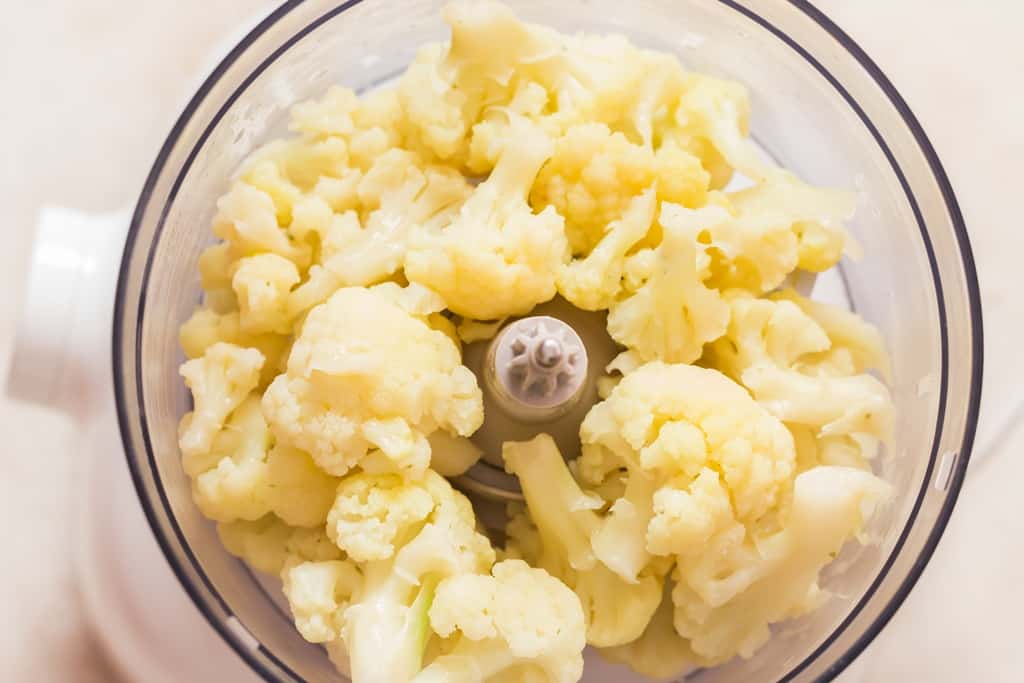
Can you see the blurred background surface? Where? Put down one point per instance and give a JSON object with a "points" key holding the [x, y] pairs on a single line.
{"points": [[90, 88]]}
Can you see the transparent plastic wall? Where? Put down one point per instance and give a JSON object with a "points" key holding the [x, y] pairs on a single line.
{"points": [[815, 108]]}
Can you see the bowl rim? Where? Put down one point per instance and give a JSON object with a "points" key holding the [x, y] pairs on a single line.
{"points": [[124, 393]]}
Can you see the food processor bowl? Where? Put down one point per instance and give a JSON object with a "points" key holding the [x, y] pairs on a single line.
{"points": [[820, 108]]}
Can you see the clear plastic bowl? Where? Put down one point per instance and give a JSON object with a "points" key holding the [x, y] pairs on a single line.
{"points": [[821, 107]]}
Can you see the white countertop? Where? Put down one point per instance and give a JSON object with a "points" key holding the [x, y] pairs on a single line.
{"points": [[90, 89]]}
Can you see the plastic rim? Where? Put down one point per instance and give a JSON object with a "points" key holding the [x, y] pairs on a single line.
{"points": [[121, 355]]}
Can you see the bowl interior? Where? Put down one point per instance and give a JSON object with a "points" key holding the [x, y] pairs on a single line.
{"points": [[816, 109]]}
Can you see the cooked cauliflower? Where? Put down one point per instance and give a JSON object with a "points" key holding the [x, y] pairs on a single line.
{"points": [[660, 652], [219, 381], [247, 220], [516, 615], [594, 282], [243, 476], [353, 389], [727, 597], [267, 544], [673, 314], [558, 535], [693, 430], [262, 283], [207, 327], [399, 196], [595, 173], [497, 257]]}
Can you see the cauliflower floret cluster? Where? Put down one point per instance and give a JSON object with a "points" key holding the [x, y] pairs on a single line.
{"points": [[355, 395], [729, 458]]}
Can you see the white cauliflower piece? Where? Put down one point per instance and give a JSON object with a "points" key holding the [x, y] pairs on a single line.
{"points": [[390, 612], [515, 616], [266, 544], [845, 330], [594, 282], [660, 653], [558, 536], [219, 381], [262, 283], [243, 477], [834, 405], [451, 455], [778, 580], [318, 594], [782, 223], [352, 386], [373, 511], [674, 421], [206, 327], [247, 219], [496, 258], [595, 173], [762, 331], [673, 314], [399, 195]]}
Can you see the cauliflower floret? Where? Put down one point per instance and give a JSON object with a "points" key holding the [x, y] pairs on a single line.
{"points": [[779, 578], [782, 224], [517, 615], [219, 381], [558, 537], [594, 282], [390, 612], [247, 219], [660, 652], [398, 195], [206, 328], [496, 258], [266, 544], [371, 511], [673, 314], [846, 330], [595, 173], [445, 88], [764, 331], [262, 283], [215, 266], [298, 161], [318, 594], [352, 386], [451, 455], [242, 477], [674, 421], [713, 117], [834, 405]]}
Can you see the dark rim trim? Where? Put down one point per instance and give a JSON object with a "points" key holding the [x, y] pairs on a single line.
{"points": [[956, 479]]}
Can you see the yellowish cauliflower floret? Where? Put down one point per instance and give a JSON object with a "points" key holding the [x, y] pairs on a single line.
{"points": [[558, 534], [781, 224], [673, 314], [496, 258], [660, 652], [243, 477], [594, 174], [219, 381], [247, 219], [352, 386], [262, 283], [517, 615], [693, 430], [398, 196], [594, 282], [318, 594], [371, 511], [727, 597], [206, 328], [713, 117], [266, 544]]}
